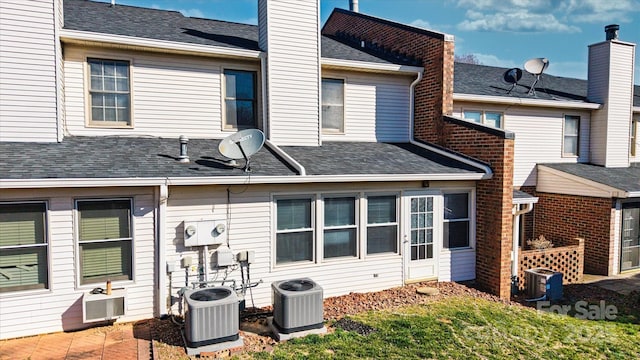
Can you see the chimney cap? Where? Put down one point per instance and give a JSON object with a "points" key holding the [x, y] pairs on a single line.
{"points": [[611, 31]]}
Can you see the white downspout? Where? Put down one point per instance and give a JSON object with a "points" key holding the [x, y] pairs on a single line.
{"points": [[163, 195], [301, 170], [265, 98], [516, 211]]}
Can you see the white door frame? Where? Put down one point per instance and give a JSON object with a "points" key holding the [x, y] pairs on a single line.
{"points": [[417, 270]]}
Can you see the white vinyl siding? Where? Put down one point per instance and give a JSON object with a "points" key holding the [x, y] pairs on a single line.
{"points": [[252, 226], [171, 95], [28, 68], [539, 137], [376, 107], [293, 70], [610, 83], [60, 307]]}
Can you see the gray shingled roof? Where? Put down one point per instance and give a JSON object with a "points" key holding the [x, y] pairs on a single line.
{"points": [[627, 179], [149, 157], [126, 157], [173, 26], [488, 80], [349, 158]]}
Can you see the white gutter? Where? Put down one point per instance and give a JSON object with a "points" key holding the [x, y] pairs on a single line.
{"points": [[516, 232], [288, 158], [370, 66], [80, 37], [522, 201], [229, 180], [636, 109], [162, 196], [526, 102]]}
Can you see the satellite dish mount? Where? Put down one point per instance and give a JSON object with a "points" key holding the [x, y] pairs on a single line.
{"points": [[242, 145], [512, 76], [536, 67]]}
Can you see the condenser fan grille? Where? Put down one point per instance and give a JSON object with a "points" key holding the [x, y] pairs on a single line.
{"points": [[212, 294], [296, 285]]}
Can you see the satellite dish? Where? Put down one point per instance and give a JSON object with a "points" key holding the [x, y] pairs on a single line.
{"points": [[242, 145], [512, 76], [536, 66]]}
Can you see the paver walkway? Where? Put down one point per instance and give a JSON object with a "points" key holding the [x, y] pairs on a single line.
{"points": [[623, 284], [120, 342]]}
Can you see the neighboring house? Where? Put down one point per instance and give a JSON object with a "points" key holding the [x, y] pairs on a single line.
{"points": [[571, 147], [93, 100]]}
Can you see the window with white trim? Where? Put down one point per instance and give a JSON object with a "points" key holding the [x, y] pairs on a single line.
{"points": [[340, 237], [457, 220], [488, 118], [339, 231], [105, 240], [382, 224], [23, 246], [294, 230], [571, 135], [332, 106], [240, 99], [109, 92]]}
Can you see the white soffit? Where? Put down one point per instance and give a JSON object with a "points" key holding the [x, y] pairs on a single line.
{"points": [[559, 182]]}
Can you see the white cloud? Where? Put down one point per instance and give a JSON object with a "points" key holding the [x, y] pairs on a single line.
{"points": [[421, 24], [492, 60], [517, 21], [192, 13]]}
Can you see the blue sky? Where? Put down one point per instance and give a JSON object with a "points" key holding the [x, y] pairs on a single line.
{"points": [[498, 32]]}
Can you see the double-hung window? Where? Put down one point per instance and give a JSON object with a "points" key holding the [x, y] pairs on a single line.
{"points": [[332, 106], [23, 246], [456, 220], [240, 99], [488, 118], [571, 135], [105, 240], [294, 230], [109, 93], [382, 224], [340, 227]]}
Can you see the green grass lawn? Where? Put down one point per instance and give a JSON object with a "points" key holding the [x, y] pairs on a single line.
{"points": [[468, 328]]}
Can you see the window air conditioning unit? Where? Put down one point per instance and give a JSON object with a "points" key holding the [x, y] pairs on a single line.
{"points": [[101, 307], [297, 305], [212, 316], [543, 283]]}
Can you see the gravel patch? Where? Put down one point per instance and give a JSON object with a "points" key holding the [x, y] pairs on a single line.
{"points": [[168, 343]]}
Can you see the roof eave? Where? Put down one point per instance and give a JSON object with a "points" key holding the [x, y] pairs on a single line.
{"points": [[332, 63], [526, 102], [228, 180], [612, 191], [101, 39]]}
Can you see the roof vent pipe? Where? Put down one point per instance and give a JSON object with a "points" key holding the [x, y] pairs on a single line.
{"points": [[353, 5], [612, 31], [183, 158]]}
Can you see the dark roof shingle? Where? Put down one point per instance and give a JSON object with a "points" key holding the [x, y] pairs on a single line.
{"points": [[627, 179]]}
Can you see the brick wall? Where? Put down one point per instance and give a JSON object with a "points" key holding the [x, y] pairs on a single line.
{"points": [[559, 217], [494, 201], [433, 99]]}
